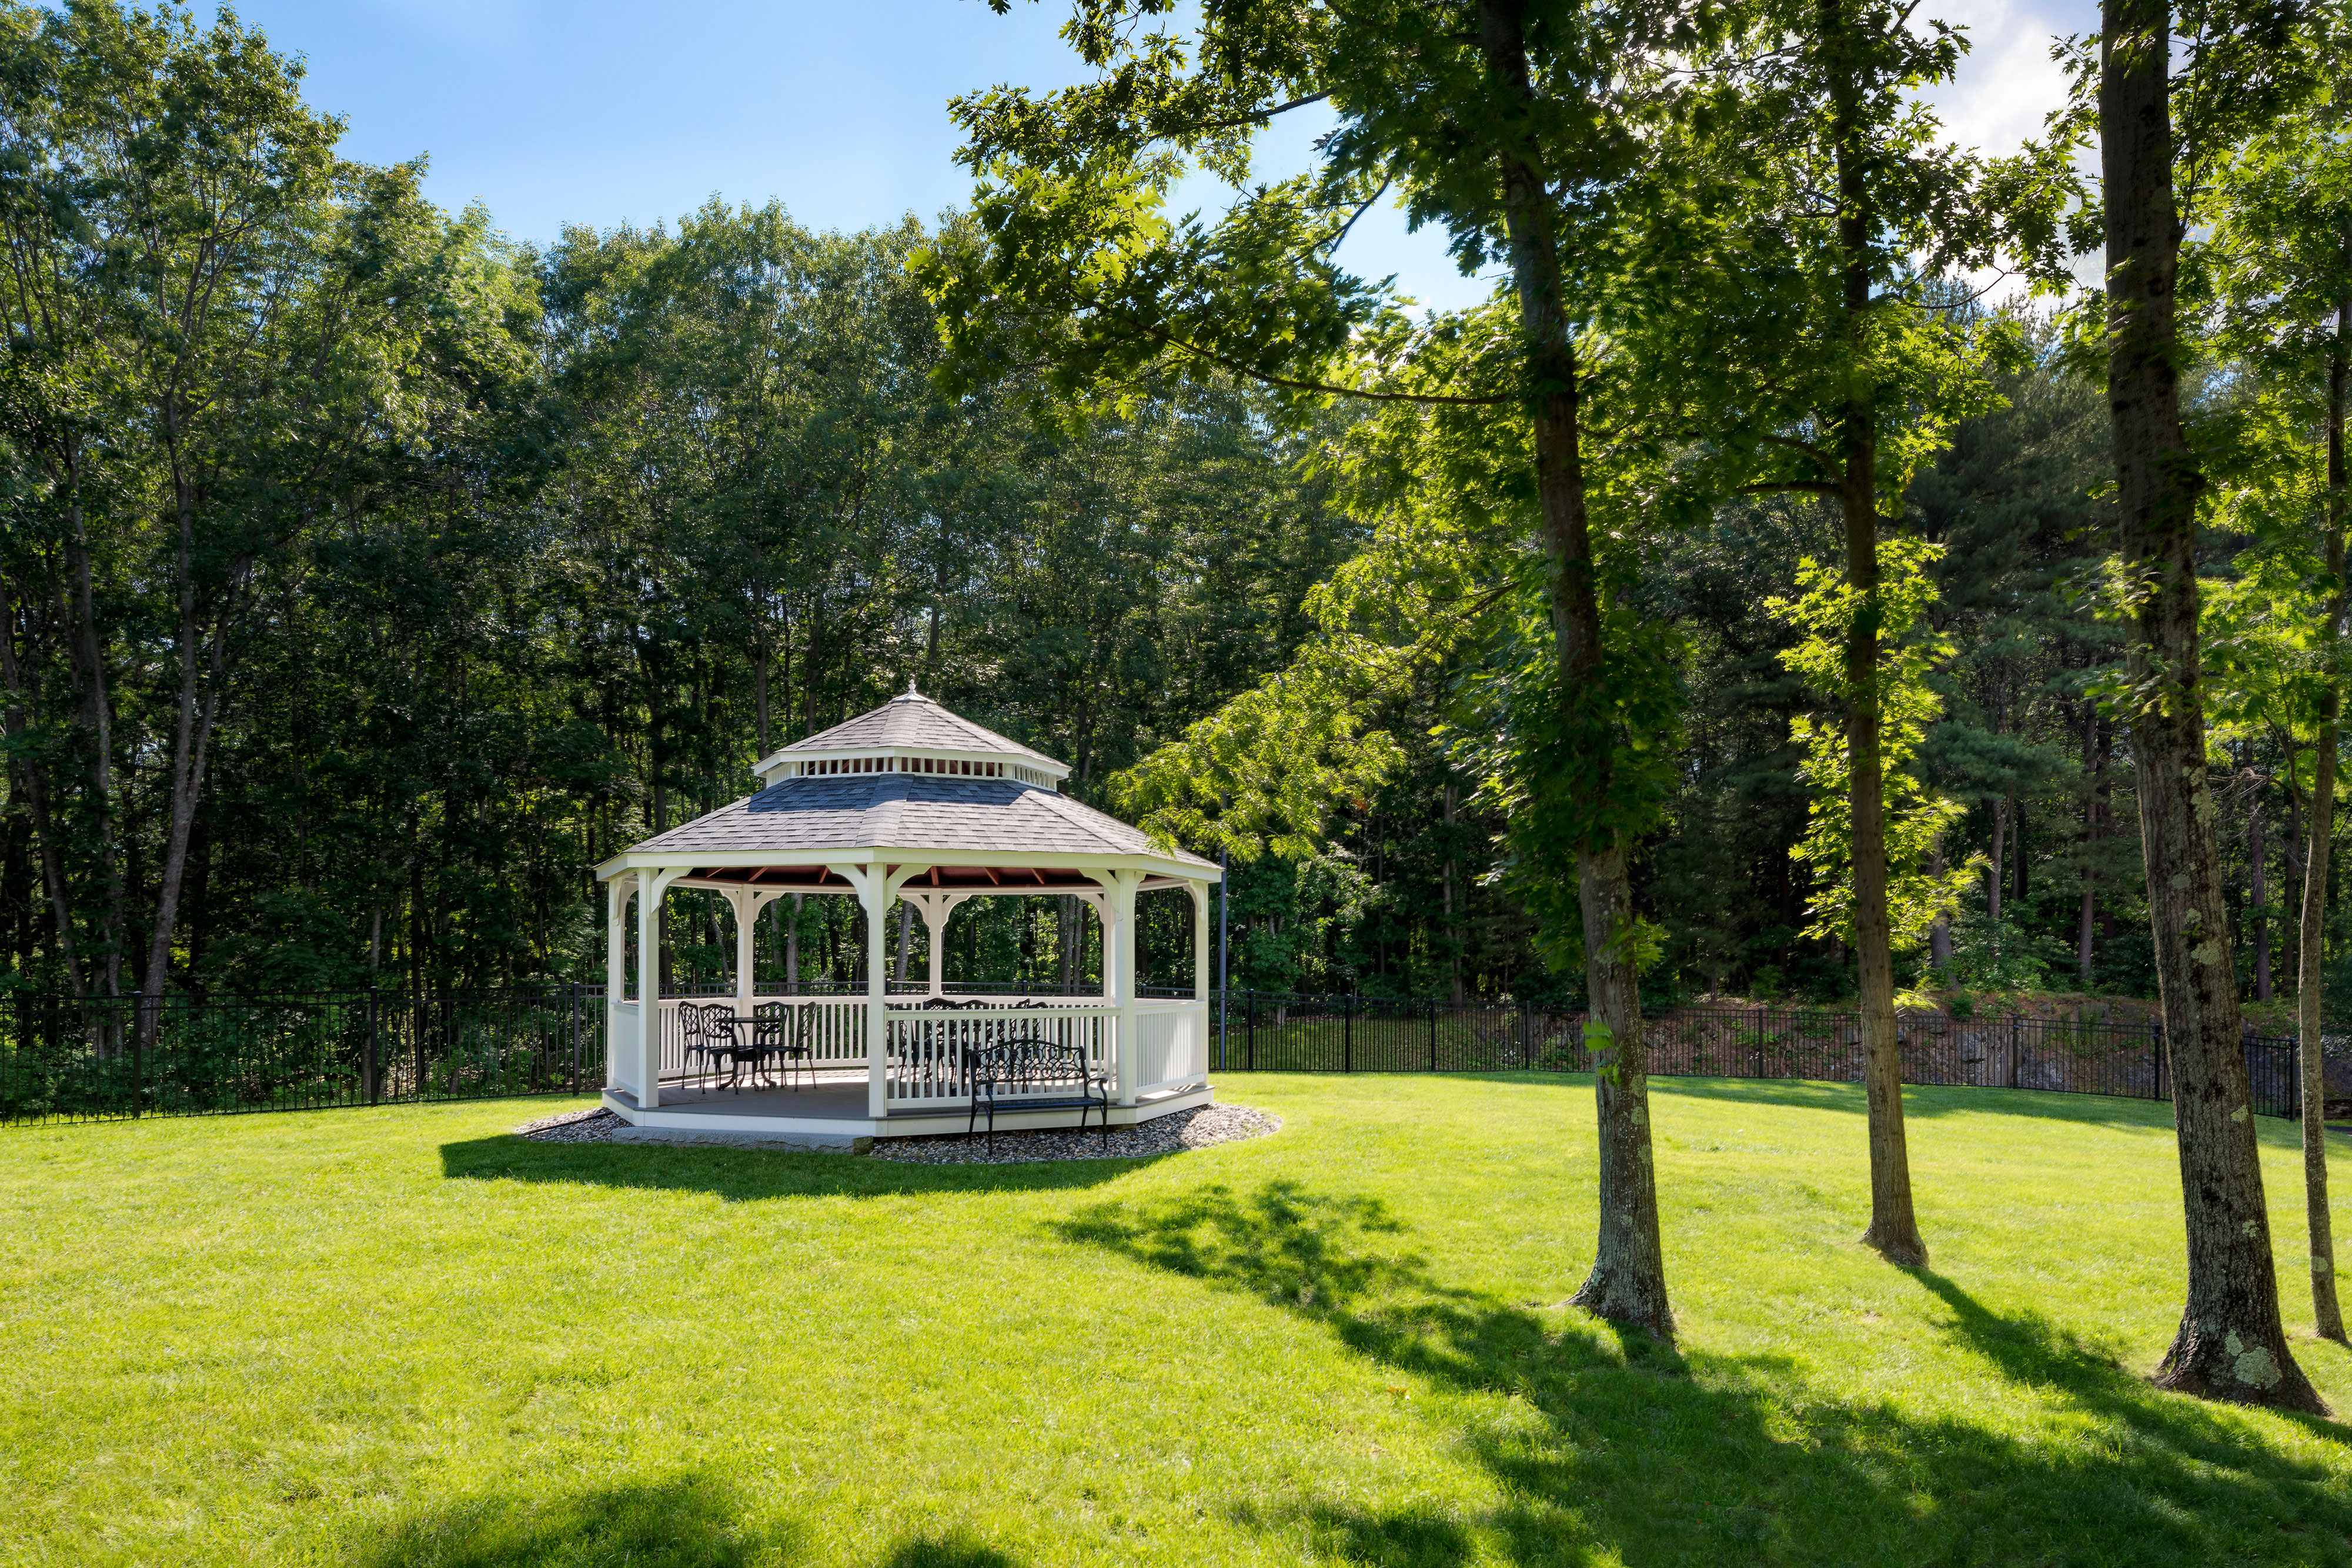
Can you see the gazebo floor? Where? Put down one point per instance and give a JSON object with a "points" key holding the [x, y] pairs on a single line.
{"points": [[830, 1113]]}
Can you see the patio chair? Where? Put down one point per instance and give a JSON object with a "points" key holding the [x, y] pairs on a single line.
{"points": [[780, 1031], [699, 1042]]}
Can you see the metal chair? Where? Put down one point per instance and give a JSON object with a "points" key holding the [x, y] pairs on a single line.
{"points": [[780, 1029], [699, 1041]]}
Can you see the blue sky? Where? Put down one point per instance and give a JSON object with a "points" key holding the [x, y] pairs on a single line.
{"points": [[592, 112]]}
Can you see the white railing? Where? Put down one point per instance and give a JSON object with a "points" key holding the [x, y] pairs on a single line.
{"points": [[927, 1047], [621, 1046], [834, 1028], [1171, 1040]]}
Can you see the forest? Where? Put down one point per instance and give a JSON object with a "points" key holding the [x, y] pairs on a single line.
{"points": [[1834, 563], [369, 575]]}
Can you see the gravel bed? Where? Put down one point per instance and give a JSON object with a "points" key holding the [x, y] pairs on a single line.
{"points": [[594, 1126], [1194, 1129]]}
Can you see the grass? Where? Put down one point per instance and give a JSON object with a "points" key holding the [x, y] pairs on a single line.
{"points": [[400, 1337]]}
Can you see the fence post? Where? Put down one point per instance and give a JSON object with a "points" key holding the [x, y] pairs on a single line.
{"points": [[1348, 1032], [138, 1053], [1433, 1034], [1249, 1006], [370, 1085], [2156, 1033], [2015, 1035]]}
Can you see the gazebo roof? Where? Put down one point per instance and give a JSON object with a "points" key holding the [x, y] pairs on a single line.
{"points": [[909, 782], [907, 727]]}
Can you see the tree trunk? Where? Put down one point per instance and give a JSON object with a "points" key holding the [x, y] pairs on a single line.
{"points": [[1452, 926], [1628, 1283], [1998, 860], [793, 947], [2258, 893], [2232, 1343], [1894, 1228], [2094, 764], [2327, 1312], [1939, 932], [32, 782]]}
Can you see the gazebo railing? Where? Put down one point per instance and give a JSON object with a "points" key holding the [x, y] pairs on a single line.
{"points": [[927, 1048], [1171, 1044]]}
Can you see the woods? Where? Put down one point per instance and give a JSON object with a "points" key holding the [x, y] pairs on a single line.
{"points": [[1823, 557]]}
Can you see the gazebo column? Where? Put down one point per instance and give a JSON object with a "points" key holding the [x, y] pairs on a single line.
{"points": [[1118, 907], [651, 887], [935, 906], [1200, 1019], [747, 902], [616, 969], [876, 885]]}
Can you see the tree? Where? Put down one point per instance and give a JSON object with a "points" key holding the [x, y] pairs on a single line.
{"points": [[2232, 1343], [1514, 128], [2275, 278], [1856, 361]]}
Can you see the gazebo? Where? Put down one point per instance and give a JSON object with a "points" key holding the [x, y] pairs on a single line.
{"points": [[908, 802]]}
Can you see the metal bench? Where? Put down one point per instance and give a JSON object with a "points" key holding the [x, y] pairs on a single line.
{"points": [[1031, 1075]]}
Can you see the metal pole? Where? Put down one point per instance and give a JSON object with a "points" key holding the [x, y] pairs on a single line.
{"points": [[138, 1063], [1225, 934], [370, 1087]]}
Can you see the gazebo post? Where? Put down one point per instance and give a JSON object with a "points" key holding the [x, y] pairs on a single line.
{"points": [[1119, 968], [747, 902], [617, 966], [876, 885], [652, 886], [1199, 892], [935, 907]]}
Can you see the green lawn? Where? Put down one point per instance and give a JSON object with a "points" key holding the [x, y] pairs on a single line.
{"points": [[402, 1337]]}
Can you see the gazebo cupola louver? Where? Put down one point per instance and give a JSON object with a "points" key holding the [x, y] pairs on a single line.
{"points": [[908, 803]]}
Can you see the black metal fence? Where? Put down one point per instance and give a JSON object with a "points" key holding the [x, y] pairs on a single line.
{"points": [[105, 1057], [101, 1058], [1268, 1033]]}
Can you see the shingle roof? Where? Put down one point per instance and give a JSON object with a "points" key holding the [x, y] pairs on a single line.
{"points": [[913, 719], [909, 811]]}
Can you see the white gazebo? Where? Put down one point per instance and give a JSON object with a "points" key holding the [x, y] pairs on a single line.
{"points": [[908, 802]]}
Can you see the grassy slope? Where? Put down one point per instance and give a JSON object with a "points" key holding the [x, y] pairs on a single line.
{"points": [[400, 1337]]}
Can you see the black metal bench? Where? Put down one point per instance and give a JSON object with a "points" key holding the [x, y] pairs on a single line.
{"points": [[1030, 1074]]}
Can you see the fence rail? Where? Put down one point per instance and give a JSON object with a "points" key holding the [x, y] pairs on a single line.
{"points": [[88, 1059], [1268, 1033], [68, 1059]]}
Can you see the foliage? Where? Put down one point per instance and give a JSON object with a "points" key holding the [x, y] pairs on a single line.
{"points": [[1999, 955], [1916, 817]]}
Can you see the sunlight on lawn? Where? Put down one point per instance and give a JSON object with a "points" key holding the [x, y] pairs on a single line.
{"points": [[403, 1338]]}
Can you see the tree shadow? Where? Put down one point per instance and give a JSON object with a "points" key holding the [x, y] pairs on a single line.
{"points": [[746, 1175], [681, 1522], [1610, 1445], [1928, 1101], [948, 1551], [686, 1521]]}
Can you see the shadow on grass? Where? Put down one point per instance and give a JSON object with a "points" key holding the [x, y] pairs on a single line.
{"points": [[684, 1522], [746, 1175], [1919, 1100], [680, 1524], [947, 1551], [1605, 1444]]}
